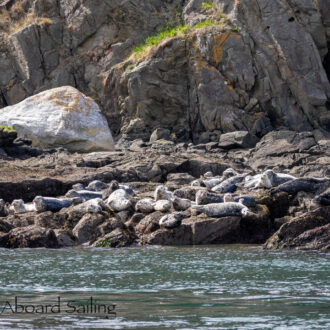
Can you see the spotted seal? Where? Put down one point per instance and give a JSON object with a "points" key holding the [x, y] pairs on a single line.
{"points": [[181, 204], [83, 194], [18, 206], [204, 197], [162, 193], [145, 205], [229, 185], [119, 201], [171, 221], [322, 199], [223, 209], [43, 204], [313, 185], [163, 206]]}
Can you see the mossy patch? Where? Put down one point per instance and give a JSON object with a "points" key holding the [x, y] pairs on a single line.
{"points": [[7, 129]]}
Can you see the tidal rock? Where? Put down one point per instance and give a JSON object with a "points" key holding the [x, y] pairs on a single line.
{"points": [[86, 229], [163, 206], [65, 238], [239, 139], [32, 237], [287, 235], [60, 117], [119, 237]]}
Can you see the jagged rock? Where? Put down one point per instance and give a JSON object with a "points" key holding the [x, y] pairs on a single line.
{"points": [[32, 237], [64, 238], [86, 229], [180, 178], [240, 139], [60, 117], [287, 235], [160, 134]]}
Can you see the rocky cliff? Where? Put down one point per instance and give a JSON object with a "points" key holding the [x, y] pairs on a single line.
{"points": [[211, 67]]}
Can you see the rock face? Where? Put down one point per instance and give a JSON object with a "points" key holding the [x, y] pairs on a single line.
{"points": [[264, 64], [60, 117]]}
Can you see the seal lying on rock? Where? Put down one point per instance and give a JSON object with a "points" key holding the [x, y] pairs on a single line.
{"points": [[97, 185], [43, 204], [83, 194], [162, 193], [181, 204], [229, 185], [171, 221], [223, 209], [163, 206], [195, 183], [204, 197], [145, 205], [313, 185], [268, 179], [95, 205], [322, 199], [212, 182], [18, 206], [118, 201]]}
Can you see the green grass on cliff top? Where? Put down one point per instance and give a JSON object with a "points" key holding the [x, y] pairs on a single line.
{"points": [[170, 32], [7, 129]]}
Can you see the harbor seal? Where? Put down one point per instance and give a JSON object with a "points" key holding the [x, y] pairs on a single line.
{"points": [[118, 201], [85, 195], [204, 197], [222, 209], [208, 175], [163, 206], [195, 183], [267, 180], [171, 221], [181, 204], [18, 206], [212, 182], [313, 185], [322, 199], [229, 172], [43, 204], [162, 193], [97, 185], [95, 205], [145, 205], [229, 185]]}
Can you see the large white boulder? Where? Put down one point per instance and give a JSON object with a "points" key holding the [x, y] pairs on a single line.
{"points": [[60, 117]]}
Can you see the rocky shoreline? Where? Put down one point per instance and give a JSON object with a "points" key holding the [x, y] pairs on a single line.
{"points": [[273, 191]]}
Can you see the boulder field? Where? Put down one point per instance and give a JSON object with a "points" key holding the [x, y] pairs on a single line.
{"points": [[166, 193]]}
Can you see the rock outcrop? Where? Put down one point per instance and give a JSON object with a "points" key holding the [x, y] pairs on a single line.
{"points": [[231, 65], [60, 117]]}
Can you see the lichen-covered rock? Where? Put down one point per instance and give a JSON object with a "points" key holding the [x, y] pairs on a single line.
{"points": [[61, 117]]}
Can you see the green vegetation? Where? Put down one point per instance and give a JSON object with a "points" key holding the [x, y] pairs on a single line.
{"points": [[207, 5], [105, 243], [168, 32], [216, 18], [7, 129]]}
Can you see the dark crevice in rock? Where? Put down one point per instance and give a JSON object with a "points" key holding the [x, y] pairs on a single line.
{"points": [[326, 62]]}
